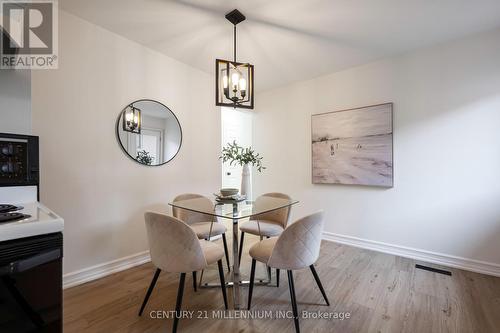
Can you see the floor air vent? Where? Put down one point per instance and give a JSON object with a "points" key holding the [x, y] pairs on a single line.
{"points": [[431, 269]]}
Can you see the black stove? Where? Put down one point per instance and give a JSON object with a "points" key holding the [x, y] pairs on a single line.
{"points": [[30, 267], [9, 213]]}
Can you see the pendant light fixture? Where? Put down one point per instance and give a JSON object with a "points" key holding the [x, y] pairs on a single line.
{"points": [[132, 119], [234, 80]]}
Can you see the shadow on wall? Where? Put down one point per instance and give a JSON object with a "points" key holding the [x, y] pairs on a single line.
{"points": [[457, 174], [448, 82]]}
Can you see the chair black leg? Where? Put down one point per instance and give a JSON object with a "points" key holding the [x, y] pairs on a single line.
{"points": [[194, 282], [178, 304], [277, 278], [318, 282], [226, 252], [222, 282], [150, 290], [241, 247], [269, 273], [294, 301], [252, 279]]}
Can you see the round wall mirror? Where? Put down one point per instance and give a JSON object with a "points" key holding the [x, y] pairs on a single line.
{"points": [[149, 132]]}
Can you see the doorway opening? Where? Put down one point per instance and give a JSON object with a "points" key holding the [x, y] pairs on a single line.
{"points": [[237, 125]]}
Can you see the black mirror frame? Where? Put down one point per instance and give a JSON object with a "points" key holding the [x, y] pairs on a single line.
{"points": [[117, 133]]}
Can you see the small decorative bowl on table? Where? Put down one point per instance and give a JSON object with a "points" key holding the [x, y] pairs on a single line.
{"points": [[229, 195], [227, 192]]}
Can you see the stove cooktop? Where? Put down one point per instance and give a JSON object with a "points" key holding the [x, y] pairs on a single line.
{"points": [[5, 208], [12, 216], [32, 219], [9, 213]]}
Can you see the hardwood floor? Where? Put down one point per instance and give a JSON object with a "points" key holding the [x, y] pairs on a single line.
{"points": [[382, 293]]}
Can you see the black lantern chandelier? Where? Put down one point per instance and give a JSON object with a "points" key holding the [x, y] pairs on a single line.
{"points": [[132, 119], [234, 80]]}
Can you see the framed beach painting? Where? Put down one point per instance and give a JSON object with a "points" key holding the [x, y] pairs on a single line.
{"points": [[353, 146]]}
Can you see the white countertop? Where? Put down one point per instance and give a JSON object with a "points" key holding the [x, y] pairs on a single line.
{"points": [[42, 221]]}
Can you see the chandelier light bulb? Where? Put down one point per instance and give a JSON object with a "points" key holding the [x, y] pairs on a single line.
{"points": [[235, 77], [243, 84]]}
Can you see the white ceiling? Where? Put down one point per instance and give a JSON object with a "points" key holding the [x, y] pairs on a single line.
{"points": [[289, 40]]}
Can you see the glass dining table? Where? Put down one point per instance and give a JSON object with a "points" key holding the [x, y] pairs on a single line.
{"points": [[235, 210]]}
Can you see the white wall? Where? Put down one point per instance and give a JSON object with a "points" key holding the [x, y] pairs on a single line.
{"points": [[446, 196], [85, 176], [15, 101]]}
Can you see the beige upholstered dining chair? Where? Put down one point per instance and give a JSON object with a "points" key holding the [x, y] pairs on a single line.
{"points": [[175, 248], [205, 226], [268, 224], [296, 248]]}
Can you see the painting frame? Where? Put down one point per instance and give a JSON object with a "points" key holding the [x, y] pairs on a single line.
{"points": [[384, 179]]}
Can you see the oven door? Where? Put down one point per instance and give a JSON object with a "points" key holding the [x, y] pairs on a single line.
{"points": [[31, 293]]}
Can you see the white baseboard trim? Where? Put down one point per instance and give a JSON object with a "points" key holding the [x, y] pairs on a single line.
{"points": [[407, 252], [99, 271]]}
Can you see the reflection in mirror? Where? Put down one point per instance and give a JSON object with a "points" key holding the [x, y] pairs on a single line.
{"points": [[132, 119], [149, 132]]}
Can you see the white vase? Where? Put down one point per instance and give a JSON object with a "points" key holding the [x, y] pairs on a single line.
{"points": [[246, 182]]}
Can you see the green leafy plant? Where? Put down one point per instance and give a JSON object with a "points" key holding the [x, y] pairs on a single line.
{"points": [[144, 157], [236, 154]]}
